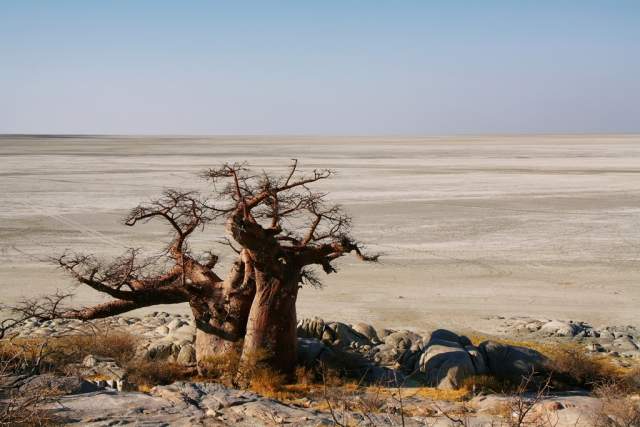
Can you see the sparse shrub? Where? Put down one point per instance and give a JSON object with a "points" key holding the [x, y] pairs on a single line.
{"points": [[573, 366], [26, 407], [266, 381], [305, 376], [487, 384], [54, 354], [617, 407], [220, 367], [149, 373]]}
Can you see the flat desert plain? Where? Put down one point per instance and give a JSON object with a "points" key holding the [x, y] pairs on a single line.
{"points": [[469, 227]]}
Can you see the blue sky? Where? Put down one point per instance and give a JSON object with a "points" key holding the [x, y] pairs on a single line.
{"points": [[319, 67]]}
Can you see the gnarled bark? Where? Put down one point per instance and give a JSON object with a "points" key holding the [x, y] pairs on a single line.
{"points": [[271, 328]]}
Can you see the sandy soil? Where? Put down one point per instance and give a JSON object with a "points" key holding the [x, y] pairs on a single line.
{"points": [[469, 227]]}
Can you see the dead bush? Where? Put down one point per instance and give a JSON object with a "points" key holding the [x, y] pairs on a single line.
{"points": [[305, 376], [574, 367], [487, 384], [266, 381], [22, 408], [617, 407], [220, 367], [149, 373], [55, 354], [28, 410]]}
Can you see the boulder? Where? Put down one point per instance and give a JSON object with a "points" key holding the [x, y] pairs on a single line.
{"points": [[512, 362], [183, 333], [445, 365], [187, 355], [560, 328], [91, 361], [386, 354], [478, 359], [51, 383], [311, 350], [161, 350], [446, 335], [402, 340], [624, 344], [311, 328], [341, 334], [368, 331], [175, 324]]}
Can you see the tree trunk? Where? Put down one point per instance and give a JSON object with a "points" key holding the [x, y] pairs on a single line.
{"points": [[271, 328], [221, 310]]}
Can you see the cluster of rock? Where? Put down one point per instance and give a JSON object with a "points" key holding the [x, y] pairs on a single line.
{"points": [[443, 359], [622, 341], [440, 359], [206, 404], [163, 336]]}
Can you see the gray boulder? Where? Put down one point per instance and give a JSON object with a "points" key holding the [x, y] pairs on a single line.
{"points": [[445, 362], [402, 340], [56, 384], [368, 331], [161, 350], [560, 328], [311, 328], [312, 351], [512, 362], [445, 365], [446, 335], [478, 359], [341, 334], [400, 350], [187, 355]]}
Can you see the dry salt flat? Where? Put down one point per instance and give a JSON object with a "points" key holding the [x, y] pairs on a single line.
{"points": [[471, 228]]}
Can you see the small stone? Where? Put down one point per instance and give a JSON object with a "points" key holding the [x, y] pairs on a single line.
{"points": [[187, 355]]}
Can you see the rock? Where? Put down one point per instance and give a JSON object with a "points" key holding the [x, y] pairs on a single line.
{"points": [[311, 350], [512, 362], [560, 328], [162, 330], [160, 350], [311, 328], [368, 331], [183, 334], [402, 339], [175, 324], [478, 359], [91, 360], [446, 335], [624, 344], [56, 384], [187, 355], [338, 333], [103, 367], [445, 365], [386, 354]]}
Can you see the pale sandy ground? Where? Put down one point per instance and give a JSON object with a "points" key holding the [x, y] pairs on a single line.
{"points": [[469, 227]]}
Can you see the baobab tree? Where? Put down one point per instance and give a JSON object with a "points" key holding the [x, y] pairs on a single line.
{"points": [[278, 227]]}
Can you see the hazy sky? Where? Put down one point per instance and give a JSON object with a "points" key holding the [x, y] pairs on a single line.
{"points": [[319, 67]]}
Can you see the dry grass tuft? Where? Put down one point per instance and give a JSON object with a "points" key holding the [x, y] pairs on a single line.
{"points": [[220, 367], [573, 365], [267, 382], [146, 374], [570, 364], [618, 408], [54, 354]]}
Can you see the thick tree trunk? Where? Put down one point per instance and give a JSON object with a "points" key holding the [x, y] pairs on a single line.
{"points": [[271, 328], [221, 310]]}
